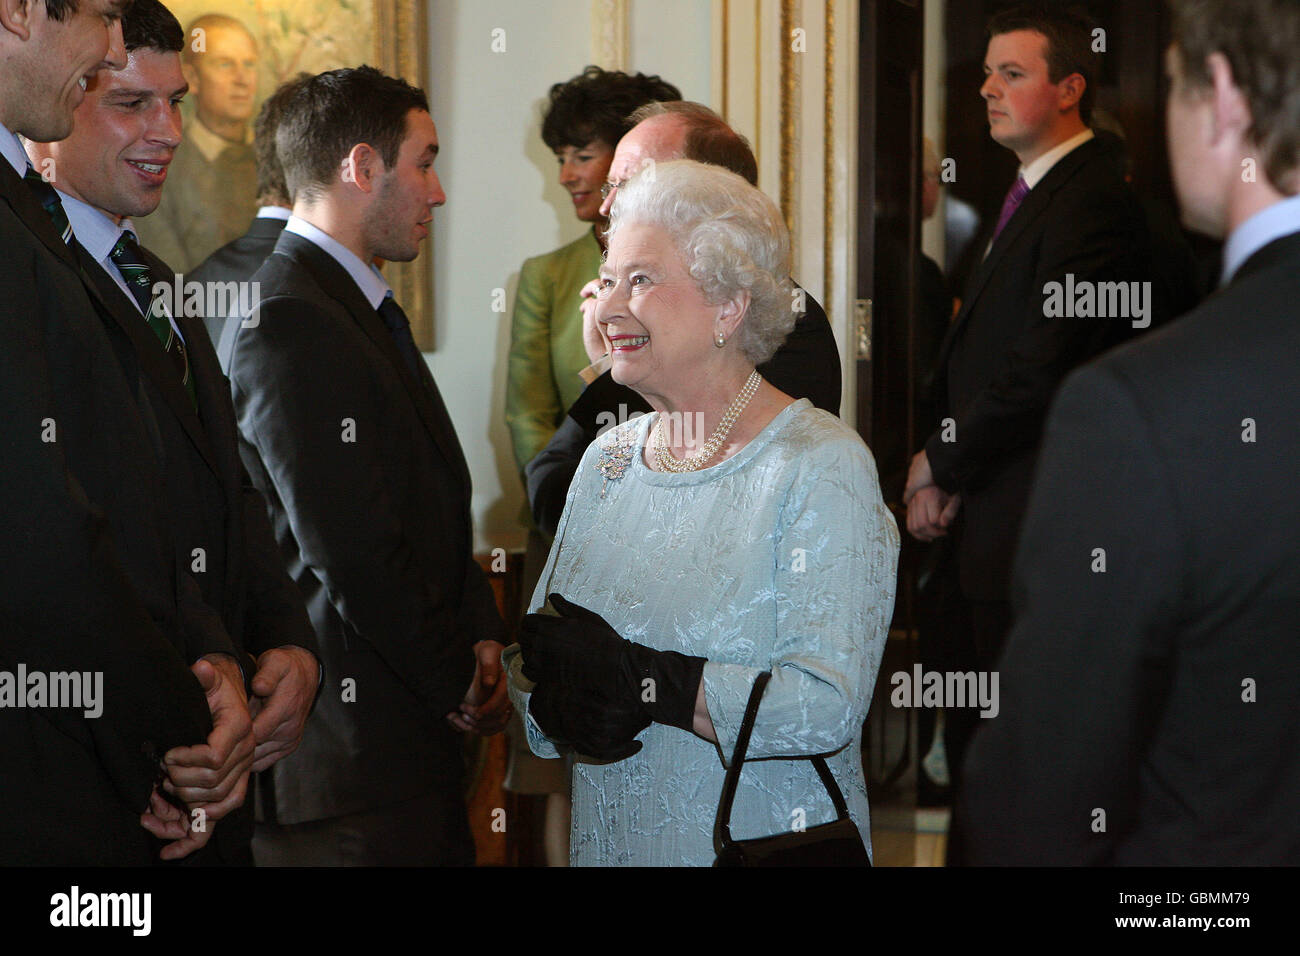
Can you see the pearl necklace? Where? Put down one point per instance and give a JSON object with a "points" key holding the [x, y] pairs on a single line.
{"points": [[701, 458]]}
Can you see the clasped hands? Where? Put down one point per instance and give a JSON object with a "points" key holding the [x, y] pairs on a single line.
{"points": [[930, 509], [595, 691], [486, 708], [247, 735]]}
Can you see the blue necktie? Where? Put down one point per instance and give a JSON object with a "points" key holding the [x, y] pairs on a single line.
{"points": [[399, 326]]}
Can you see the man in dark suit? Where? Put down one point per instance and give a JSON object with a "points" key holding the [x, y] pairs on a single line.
{"points": [[1150, 707], [346, 434], [220, 529], [1070, 229], [806, 366], [90, 584], [238, 259]]}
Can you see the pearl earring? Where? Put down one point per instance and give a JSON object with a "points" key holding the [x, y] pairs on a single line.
{"points": [[720, 341]]}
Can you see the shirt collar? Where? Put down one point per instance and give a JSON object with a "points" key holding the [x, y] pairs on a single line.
{"points": [[207, 142], [13, 151], [274, 212], [1033, 173], [1274, 222], [368, 279], [96, 232]]}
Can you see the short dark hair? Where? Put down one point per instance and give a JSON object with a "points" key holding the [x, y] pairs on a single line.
{"points": [[594, 105], [271, 188], [331, 113], [1069, 43], [149, 25], [1258, 39], [60, 10]]}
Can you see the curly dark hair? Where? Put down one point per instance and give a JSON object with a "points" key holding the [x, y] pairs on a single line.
{"points": [[595, 105]]}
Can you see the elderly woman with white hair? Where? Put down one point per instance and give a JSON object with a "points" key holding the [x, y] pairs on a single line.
{"points": [[733, 531]]}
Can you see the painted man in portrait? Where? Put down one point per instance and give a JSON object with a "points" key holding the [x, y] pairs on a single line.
{"points": [[212, 184]]}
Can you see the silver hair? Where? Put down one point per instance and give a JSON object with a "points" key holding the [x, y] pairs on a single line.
{"points": [[731, 237]]}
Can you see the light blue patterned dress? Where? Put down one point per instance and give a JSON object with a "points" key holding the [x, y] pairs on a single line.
{"points": [[782, 557]]}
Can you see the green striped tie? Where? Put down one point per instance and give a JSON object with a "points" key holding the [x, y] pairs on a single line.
{"points": [[128, 258], [50, 201]]}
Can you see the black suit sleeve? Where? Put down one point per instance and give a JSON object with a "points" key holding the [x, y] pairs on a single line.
{"points": [[275, 615], [318, 420], [66, 601], [1096, 240], [807, 365], [602, 403], [1081, 678]]}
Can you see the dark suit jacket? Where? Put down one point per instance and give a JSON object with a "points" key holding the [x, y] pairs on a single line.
{"points": [[236, 261], [1003, 359], [89, 584], [370, 498], [220, 527], [1163, 691], [807, 365]]}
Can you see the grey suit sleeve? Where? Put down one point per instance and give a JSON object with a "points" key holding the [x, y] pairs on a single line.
{"points": [[317, 420], [1081, 678]]}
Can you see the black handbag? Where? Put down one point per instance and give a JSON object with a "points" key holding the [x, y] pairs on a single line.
{"points": [[828, 844]]}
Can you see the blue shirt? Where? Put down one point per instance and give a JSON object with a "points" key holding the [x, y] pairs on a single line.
{"points": [[368, 279], [98, 234], [13, 150], [1278, 220]]}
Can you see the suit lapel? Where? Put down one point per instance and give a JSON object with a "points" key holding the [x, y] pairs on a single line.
{"points": [[153, 360], [1034, 205], [28, 208], [335, 282]]}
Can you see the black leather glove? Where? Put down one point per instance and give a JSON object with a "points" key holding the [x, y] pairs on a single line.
{"points": [[597, 688]]}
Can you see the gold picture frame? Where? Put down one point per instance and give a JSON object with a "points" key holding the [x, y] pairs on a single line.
{"points": [[288, 37]]}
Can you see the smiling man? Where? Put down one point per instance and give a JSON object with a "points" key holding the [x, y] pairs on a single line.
{"points": [[90, 582], [1069, 213], [114, 166], [214, 179], [346, 434]]}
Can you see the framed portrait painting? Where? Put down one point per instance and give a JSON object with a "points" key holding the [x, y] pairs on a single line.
{"points": [[237, 53]]}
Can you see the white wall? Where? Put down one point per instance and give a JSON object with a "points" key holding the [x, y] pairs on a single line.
{"points": [[503, 201]]}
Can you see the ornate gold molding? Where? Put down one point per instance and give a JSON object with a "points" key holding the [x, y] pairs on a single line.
{"points": [[401, 49], [609, 34], [828, 161], [789, 141]]}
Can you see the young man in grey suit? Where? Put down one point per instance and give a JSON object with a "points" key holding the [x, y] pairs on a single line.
{"points": [[90, 585], [346, 434], [113, 166], [1150, 707]]}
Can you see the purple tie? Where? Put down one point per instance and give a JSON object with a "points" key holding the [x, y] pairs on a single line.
{"points": [[1015, 196]]}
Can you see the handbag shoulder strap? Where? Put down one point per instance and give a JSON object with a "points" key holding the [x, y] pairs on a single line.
{"points": [[722, 826]]}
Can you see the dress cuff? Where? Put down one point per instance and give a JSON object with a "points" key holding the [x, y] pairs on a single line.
{"points": [[521, 691]]}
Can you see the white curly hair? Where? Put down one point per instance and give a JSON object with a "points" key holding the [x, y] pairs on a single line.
{"points": [[730, 235]]}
